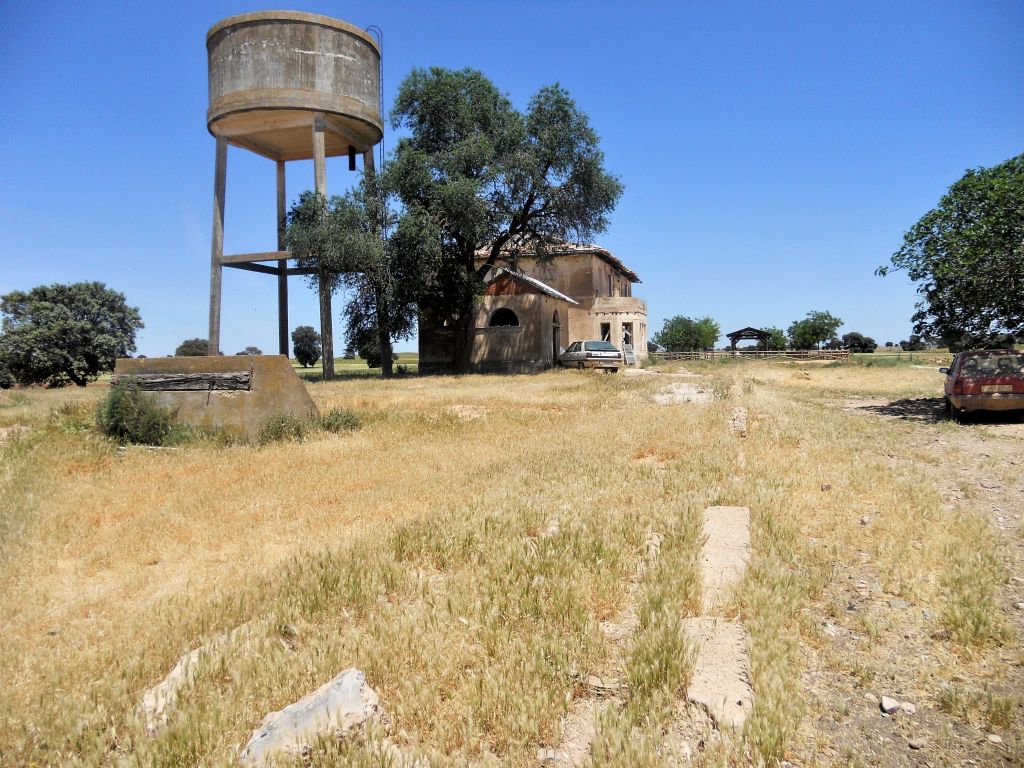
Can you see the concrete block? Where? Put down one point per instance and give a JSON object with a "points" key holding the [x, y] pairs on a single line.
{"points": [[255, 388]]}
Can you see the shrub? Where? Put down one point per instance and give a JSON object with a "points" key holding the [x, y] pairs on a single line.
{"points": [[6, 379], [282, 427], [338, 420], [129, 415]]}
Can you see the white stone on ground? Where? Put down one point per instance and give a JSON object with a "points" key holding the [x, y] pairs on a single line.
{"points": [[682, 392], [337, 706], [889, 705], [738, 421]]}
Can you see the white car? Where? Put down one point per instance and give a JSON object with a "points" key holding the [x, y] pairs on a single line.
{"points": [[592, 354]]}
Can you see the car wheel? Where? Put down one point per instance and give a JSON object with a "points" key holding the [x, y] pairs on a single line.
{"points": [[956, 414], [613, 370]]}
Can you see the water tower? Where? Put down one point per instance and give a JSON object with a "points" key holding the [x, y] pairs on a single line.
{"points": [[287, 86]]}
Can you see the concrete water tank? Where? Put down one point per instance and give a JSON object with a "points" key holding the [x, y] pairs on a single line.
{"points": [[270, 71]]}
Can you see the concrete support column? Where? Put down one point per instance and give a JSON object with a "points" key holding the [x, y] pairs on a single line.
{"points": [[282, 265], [217, 243], [368, 164], [326, 320]]}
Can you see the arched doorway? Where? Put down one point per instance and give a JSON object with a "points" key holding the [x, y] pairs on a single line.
{"points": [[556, 337]]}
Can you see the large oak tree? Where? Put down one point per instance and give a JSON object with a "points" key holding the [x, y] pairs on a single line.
{"points": [[55, 334], [967, 256], [486, 183]]}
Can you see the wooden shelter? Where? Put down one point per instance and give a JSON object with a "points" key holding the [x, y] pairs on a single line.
{"points": [[748, 333]]}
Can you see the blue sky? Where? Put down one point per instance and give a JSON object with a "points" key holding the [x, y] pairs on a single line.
{"points": [[772, 154]]}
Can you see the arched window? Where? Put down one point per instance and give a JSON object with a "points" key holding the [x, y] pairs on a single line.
{"points": [[504, 318]]}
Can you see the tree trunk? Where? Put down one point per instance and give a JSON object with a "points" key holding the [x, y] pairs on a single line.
{"points": [[383, 334], [326, 326], [463, 343]]}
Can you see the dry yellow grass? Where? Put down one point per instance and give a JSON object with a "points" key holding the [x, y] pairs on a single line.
{"points": [[462, 548]]}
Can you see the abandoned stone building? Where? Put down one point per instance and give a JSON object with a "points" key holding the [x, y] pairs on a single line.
{"points": [[526, 317]]}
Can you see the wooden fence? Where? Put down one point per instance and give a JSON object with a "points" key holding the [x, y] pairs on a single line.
{"points": [[788, 354]]}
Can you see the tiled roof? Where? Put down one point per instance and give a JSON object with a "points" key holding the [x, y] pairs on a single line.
{"points": [[565, 249], [542, 287]]}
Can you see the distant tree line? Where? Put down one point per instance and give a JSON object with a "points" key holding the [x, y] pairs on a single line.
{"points": [[817, 330]]}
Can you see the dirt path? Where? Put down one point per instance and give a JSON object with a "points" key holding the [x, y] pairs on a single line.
{"points": [[979, 469]]}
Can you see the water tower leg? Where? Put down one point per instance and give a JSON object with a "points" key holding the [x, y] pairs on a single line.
{"points": [[217, 243], [368, 160], [326, 321], [282, 266]]}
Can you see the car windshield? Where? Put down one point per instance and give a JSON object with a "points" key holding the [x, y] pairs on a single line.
{"points": [[599, 346], [994, 365]]}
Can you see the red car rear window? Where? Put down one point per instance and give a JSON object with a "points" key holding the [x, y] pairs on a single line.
{"points": [[993, 365]]}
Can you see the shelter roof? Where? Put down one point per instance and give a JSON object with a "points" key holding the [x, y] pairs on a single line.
{"points": [[749, 332], [530, 281]]}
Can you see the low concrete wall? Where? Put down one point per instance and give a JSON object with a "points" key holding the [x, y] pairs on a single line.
{"points": [[274, 388]]}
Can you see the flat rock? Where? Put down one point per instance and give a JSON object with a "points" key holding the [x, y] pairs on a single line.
{"points": [[159, 700], [601, 686], [738, 421], [909, 708], [889, 705], [724, 554], [720, 678], [994, 738], [898, 603], [920, 743], [681, 392], [337, 706]]}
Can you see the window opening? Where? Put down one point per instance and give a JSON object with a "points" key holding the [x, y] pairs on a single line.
{"points": [[504, 318], [606, 331], [627, 334]]}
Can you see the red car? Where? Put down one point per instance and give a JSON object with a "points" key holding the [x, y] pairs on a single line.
{"points": [[984, 380]]}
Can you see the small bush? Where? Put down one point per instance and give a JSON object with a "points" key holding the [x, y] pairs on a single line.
{"points": [[338, 420], [282, 427], [129, 415], [6, 378]]}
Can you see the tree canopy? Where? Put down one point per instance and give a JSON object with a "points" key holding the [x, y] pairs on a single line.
{"points": [[684, 334], [482, 182], [56, 334], [813, 330], [378, 257], [776, 341], [193, 348], [306, 345], [858, 342], [967, 256]]}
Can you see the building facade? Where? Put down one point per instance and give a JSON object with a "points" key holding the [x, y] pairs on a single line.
{"points": [[526, 317]]}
